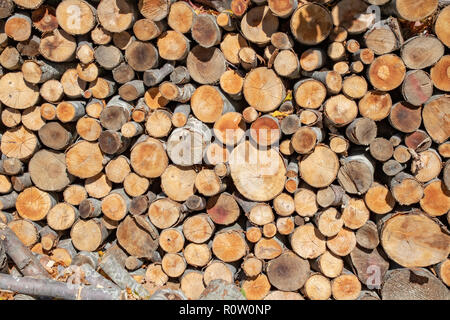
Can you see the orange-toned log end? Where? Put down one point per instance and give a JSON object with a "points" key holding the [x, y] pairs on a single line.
{"points": [[239, 7], [436, 199], [34, 204], [379, 199], [387, 72], [229, 246], [230, 128], [440, 74], [265, 131], [346, 287], [257, 288], [253, 234]]}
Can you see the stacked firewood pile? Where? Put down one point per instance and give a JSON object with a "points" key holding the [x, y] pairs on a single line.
{"points": [[291, 149]]}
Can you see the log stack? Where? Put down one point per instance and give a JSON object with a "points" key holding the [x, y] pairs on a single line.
{"points": [[296, 149]]}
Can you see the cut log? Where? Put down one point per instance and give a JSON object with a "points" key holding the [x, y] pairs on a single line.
{"points": [[379, 199], [256, 288], [18, 26], [317, 287], [426, 165], [16, 93], [434, 113], [323, 159], [88, 235], [265, 131], [84, 159], [116, 15], [173, 45], [345, 287], [329, 221], [356, 173], [26, 231], [141, 56], [440, 74], [288, 272], [426, 241], [417, 88], [223, 209], [287, 64], [48, 171], [375, 105], [329, 264], [258, 25], [58, 46], [19, 143], [309, 93], [205, 30], [421, 52], [229, 244], [191, 284], [436, 199], [362, 131], [305, 202], [304, 30], [206, 65], [367, 236], [343, 243], [247, 58], [255, 93], [333, 195], [413, 284], [247, 164], [440, 26], [76, 17], [164, 213], [34, 204], [72, 85], [406, 189], [353, 15], [384, 36], [340, 110], [138, 236], [387, 72], [308, 242], [381, 149]]}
